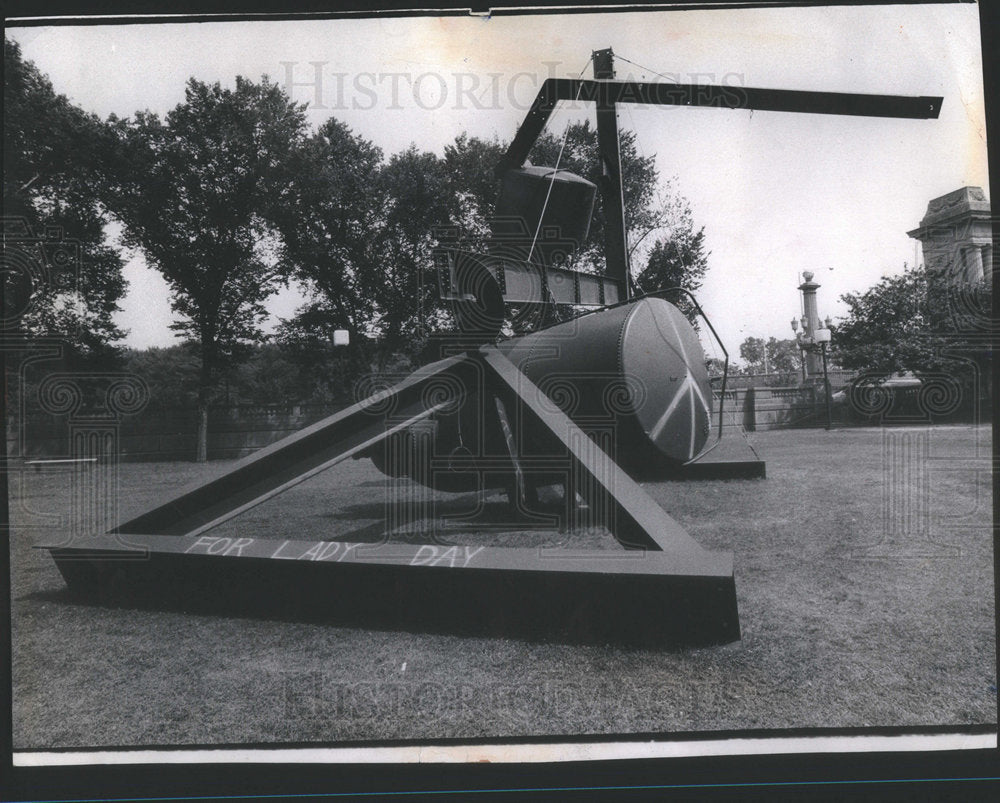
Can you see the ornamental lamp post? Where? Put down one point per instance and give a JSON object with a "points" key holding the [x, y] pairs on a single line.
{"points": [[822, 337], [813, 338], [810, 318], [798, 340]]}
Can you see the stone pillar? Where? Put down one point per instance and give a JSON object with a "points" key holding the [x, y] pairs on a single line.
{"points": [[954, 234], [808, 288], [973, 259]]}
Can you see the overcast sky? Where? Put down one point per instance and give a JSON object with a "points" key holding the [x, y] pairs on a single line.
{"points": [[777, 193]]}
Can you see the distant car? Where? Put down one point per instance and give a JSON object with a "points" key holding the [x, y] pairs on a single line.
{"points": [[906, 380]]}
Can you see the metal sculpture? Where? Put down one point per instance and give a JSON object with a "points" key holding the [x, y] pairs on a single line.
{"points": [[593, 403]]}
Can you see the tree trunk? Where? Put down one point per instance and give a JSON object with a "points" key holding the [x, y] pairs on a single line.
{"points": [[204, 396], [202, 455]]}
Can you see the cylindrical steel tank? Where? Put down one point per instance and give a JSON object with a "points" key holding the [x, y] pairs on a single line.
{"points": [[633, 377], [638, 368]]}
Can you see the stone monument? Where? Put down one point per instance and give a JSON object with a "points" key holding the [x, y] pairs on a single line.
{"points": [[956, 236]]}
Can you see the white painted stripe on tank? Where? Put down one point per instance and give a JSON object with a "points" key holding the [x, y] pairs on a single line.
{"points": [[688, 388], [662, 422], [693, 418]]}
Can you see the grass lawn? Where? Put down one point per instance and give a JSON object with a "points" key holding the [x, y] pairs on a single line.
{"points": [[864, 573]]}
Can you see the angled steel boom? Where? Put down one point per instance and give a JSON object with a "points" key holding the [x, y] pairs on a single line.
{"points": [[554, 90]]}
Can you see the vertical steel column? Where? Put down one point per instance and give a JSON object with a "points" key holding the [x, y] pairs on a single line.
{"points": [[612, 185]]}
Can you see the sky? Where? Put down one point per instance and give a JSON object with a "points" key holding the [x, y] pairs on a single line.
{"points": [[777, 193]]}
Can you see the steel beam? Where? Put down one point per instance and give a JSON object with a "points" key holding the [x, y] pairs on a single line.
{"points": [[708, 95], [291, 460], [635, 520], [612, 184], [530, 282], [644, 598]]}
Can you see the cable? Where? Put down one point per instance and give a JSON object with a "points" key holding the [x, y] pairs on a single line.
{"points": [[548, 193], [647, 69]]}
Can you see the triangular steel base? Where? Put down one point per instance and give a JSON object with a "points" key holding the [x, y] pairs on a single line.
{"points": [[663, 588]]}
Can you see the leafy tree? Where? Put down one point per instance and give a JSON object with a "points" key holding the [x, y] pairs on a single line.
{"points": [[912, 322], [170, 373], [678, 260], [193, 192], [61, 278], [779, 358], [269, 373], [886, 328], [472, 185], [329, 215], [360, 232], [266, 376], [784, 356], [325, 374], [752, 353], [414, 190]]}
